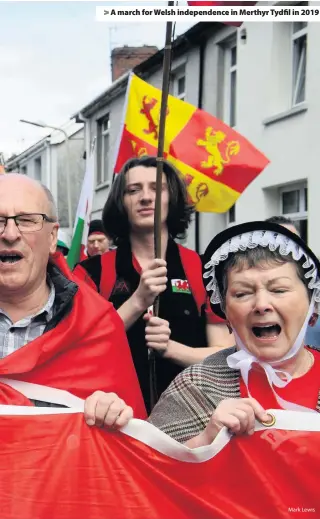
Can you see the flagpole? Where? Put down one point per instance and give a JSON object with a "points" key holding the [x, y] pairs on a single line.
{"points": [[157, 212], [202, 48], [162, 127]]}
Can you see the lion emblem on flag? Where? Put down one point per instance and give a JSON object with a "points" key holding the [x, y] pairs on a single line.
{"points": [[152, 114], [211, 145]]}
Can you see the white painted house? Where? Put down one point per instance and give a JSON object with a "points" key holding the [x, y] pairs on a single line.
{"points": [[263, 79], [49, 161]]}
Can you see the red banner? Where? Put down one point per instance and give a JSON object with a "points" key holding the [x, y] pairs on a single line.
{"points": [[53, 466]]}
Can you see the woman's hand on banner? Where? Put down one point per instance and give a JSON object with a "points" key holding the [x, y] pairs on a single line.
{"points": [[237, 414], [106, 410]]}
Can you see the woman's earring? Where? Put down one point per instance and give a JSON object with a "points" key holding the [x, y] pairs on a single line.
{"points": [[313, 319], [229, 328]]}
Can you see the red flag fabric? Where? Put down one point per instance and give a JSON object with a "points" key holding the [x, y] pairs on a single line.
{"points": [[55, 466], [87, 351]]}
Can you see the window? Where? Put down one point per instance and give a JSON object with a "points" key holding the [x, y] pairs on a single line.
{"points": [[291, 202], [294, 205], [37, 169], [103, 147], [233, 85], [230, 84], [179, 83], [299, 64], [231, 215]]}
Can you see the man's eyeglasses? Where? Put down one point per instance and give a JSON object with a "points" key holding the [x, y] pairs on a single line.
{"points": [[26, 222]]}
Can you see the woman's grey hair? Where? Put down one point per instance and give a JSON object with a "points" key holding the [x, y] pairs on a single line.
{"points": [[260, 257], [53, 213]]}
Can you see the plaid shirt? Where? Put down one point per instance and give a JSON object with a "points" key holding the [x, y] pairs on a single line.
{"points": [[15, 335]]}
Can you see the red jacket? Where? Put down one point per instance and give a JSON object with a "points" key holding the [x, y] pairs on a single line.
{"points": [[85, 352], [192, 266]]}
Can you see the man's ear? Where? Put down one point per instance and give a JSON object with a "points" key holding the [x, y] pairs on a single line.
{"points": [[54, 238]]}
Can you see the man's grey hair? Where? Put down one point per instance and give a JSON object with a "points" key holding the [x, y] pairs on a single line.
{"points": [[53, 213]]}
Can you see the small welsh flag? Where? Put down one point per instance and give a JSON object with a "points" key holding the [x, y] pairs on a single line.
{"points": [[81, 227], [180, 285]]}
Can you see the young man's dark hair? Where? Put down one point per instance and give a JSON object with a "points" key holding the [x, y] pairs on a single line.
{"points": [[114, 217]]}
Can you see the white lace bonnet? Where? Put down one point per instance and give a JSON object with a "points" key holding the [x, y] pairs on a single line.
{"points": [[249, 236]]}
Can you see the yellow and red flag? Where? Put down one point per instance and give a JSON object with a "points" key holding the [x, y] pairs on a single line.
{"points": [[216, 162]]}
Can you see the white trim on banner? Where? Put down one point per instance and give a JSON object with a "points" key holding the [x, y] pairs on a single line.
{"points": [[146, 432], [44, 393]]}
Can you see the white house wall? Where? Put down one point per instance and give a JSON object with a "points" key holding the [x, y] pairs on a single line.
{"points": [[76, 170], [212, 223], [291, 143], [115, 111], [263, 92]]}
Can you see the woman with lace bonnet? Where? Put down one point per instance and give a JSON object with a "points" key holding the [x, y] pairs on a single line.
{"points": [[265, 281]]}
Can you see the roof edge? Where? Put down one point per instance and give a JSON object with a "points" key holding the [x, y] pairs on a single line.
{"points": [[29, 151], [193, 35]]}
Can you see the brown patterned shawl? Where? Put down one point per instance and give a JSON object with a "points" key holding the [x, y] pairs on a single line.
{"points": [[185, 408]]}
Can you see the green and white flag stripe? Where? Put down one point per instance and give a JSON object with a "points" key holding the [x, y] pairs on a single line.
{"points": [[81, 226]]}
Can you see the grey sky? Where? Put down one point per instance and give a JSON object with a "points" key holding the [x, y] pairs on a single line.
{"points": [[54, 58]]}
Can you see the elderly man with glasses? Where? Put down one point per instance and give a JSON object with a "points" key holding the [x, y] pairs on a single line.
{"points": [[53, 331]]}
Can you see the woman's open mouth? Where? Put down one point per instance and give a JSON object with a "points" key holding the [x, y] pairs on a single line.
{"points": [[267, 331]]}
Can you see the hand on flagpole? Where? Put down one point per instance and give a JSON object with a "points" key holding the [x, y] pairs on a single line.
{"points": [[157, 333], [153, 281]]}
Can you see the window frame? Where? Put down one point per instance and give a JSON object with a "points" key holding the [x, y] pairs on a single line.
{"points": [[179, 74], [303, 196], [302, 214], [37, 164], [230, 71], [231, 218], [298, 66], [102, 176]]}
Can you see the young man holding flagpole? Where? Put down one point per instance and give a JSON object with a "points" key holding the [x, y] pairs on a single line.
{"points": [[131, 279]]}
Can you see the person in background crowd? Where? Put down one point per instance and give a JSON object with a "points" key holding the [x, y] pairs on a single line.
{"points": [[285, 222], [63, 242], [98, 242], [131, 278], [53, 331]]}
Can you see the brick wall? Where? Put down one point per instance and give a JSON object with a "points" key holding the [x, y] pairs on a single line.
{"points": [[126, 58]]}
